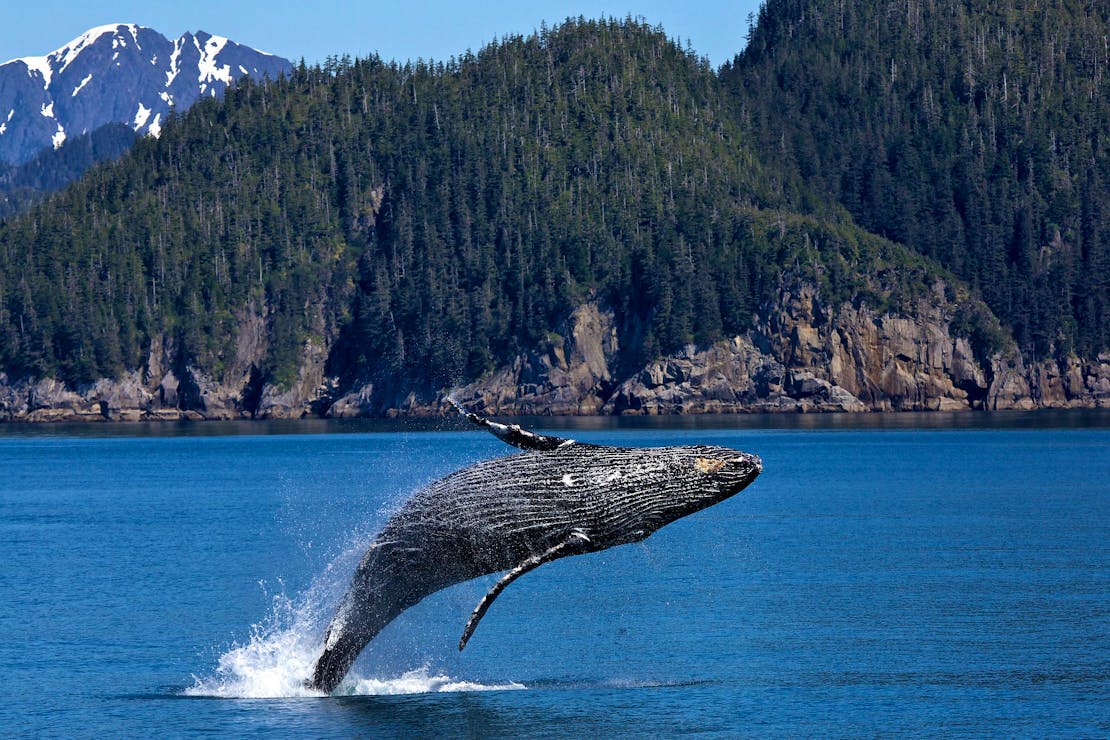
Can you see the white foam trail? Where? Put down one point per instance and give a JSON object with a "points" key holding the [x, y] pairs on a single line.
{"points": [[417, 681], [282, 651]]}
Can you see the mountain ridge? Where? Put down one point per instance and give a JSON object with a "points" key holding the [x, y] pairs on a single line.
{"points": [[116, 73]]}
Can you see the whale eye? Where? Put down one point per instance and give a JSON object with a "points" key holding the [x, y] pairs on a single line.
{"points": [[708, 464]]}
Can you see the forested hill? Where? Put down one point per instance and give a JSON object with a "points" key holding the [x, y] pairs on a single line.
{"points": [[974, 131], [414, 227], [422, 221]]}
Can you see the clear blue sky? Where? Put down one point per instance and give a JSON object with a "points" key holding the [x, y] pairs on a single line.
{"points": [[396, 29]]}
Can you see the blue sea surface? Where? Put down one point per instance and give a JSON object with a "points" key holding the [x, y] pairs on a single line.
{"points": [[923, 576]]}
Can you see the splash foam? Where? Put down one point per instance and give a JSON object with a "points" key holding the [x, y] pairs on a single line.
{"points": [[274, 663], [418, 681], [275, 666], [283, 649]]}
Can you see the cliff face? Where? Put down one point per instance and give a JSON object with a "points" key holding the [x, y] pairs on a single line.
{"points": [[801, 355], [805, 356], [567, 375], [171, 388]]}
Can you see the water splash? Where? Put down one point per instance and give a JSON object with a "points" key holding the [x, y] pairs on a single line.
{"points": [[282, 650], [276, 660], [277, 669]]}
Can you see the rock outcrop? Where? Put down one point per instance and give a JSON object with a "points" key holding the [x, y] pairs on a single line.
{"points": [[172, 388], [729, 377], [571, 373], [801, 355]]}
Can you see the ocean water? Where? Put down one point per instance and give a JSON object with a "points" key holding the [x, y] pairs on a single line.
{"points": [[925, 575]]}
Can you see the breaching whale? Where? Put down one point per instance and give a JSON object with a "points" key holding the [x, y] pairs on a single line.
{"points": [[557, 498]]}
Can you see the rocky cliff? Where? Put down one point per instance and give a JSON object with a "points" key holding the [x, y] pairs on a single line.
{"points": [[801, 355], [171, 387]]}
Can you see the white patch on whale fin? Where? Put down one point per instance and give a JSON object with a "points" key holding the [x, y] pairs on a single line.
{"points": [[576, 541]]}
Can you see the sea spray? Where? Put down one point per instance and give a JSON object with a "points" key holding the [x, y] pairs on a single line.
{"points": [[281, 653], [282, 649]]}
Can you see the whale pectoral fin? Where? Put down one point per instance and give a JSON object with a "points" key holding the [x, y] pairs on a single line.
{"points": [[576, 541], [512, 433]]}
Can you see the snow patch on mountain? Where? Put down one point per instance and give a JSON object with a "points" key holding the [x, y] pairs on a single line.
{"points": [[171, 75], [210, 70], [141, 117], [69, 53], [83, 83], [117, 73], [36, 64]]}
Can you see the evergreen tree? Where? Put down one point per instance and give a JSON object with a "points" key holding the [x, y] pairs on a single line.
{"points": [[427, 221], [973, 132]]}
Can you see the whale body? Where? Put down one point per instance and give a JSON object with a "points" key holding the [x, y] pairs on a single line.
{"points": [[557, 498]]}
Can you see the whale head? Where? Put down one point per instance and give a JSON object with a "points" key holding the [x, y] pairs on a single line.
{"points": [[679, 482]]}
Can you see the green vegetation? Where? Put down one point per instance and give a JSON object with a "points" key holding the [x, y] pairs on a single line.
{"points": [[428, 221], [434, 219], [973, 132]]}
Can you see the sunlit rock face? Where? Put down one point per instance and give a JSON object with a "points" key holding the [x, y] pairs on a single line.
{"points": [[119, 73], [801, 355]]}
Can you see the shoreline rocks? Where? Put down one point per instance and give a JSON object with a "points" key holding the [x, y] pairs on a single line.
{"points": [[800, 356]]}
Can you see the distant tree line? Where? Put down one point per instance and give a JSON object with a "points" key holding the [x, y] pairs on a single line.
{"points": [[52, 169]]}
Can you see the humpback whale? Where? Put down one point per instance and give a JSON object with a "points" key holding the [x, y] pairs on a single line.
{"points": [[556, 498]]}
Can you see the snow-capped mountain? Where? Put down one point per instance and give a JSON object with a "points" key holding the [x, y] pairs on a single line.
{"points": [[119, 73]]}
